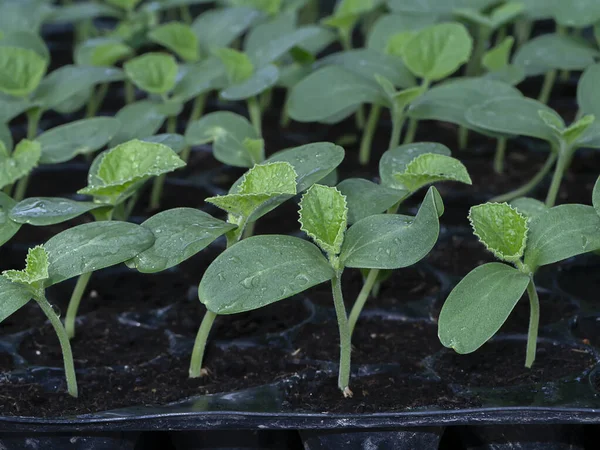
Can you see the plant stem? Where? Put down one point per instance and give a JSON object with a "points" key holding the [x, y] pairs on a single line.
{"points": [[368, 133], [159, 182], [197, 110], [500, 35], [96, 100], [362, 298], [255, 114], [523, 29], [65, 345], [397, 124], [549, 80], [33, 119], [534, 321], [129, 92], [345, 343], [474, 64], [500, 155], [186, 16], [200, 344], [463, 137], [531, 184], [411, 132], [74, 302], [559, 172]]}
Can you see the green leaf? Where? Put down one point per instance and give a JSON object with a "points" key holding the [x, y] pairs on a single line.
{"points": [[218, 28], [180, 233], [588, 91], [175, 142], [80, 137], [94, 246], [26, 40], [238, 66], [499, 16], [309, 102], [196, 79], [324, 217], [596, 196], [259, 82], [560, 233], [143, 118], [529, 207], [14, 296], [501, 228], [6, 138], [127, 5], [516, 116], [578, 129], [270, 7], [21, 71], [23, 15], [269, 30], [479, 305], [23, 160], [36, 268], [397, 42], [365, 198], [11, 107], [179, 38], [510, 74], [438, 51], [554, 51], [388, 25], [101, 52], [392, 241], [128, 163], [498, 57], [577, 14], [273, 49], [553, 121], [259, 185], [398, 100], [80, 11], [8, 228], [261, 270], [396, 160], [155, 73], [449, 101], [431, 168], [42, 211], [228, 132], [436, 6]]}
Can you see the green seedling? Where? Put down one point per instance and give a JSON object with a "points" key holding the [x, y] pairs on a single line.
{"points": [[496, 61], [80, 249], [345, 17], [264, 269], [482, 301]]}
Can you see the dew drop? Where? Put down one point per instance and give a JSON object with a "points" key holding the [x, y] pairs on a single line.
{"points": [[221, 276], [302, 279]]}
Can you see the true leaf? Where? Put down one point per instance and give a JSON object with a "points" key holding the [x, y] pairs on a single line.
{"points": [[101, 52], [529, 207], [435, 6], [501, 228], [36, 268], [21, 70], [430, 168], [392, 241], [23, 15], [388, 25], [577, 14], [80, 11], [560, 233], [180, 233], [273, 49], [270, 7], [438, 51], [143, 118], [324, 217], [365, 198], [179, 38], [23, 160], [238, 66], [218, 28], [11, 107], [578, 129], [175, 142], [84, 136], [260, 81], [153, 72], [27, 40], [227, 131], [196, 79], [94, 246], [8, 228], [498, 57], [261, 270], [42, 211], [479, 305], [14, 296]]}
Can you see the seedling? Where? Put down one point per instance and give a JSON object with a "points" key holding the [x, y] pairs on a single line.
{"points": [[65, 256], [482, 301]]}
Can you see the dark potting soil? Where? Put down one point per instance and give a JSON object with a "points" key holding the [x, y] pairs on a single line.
{"points": [[6, 362], [587, 329], [582, 281], [481, 368], [459, 254]]}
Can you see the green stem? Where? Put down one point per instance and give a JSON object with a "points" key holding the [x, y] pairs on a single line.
{"points": [[523, 29], [500, 35], [186, 16], [559, 172], [549, 80], [531, 184], [96, 100], [159, 182], [500, 155], [345, 342], [411, 132], [129, 92], [397, 124], [463, 138], [474, 64], [368, 133], [534, 321], [200, 344], [197, 110], [285, 119], [359, 304], [65, 345], [255, 114], [33, 119], [74, 302]]}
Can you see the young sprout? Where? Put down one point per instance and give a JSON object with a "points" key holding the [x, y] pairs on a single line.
{"points": [[346, 15], [482, 301], [67, 255]]}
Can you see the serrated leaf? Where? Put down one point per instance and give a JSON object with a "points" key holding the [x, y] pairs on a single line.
{"points": [[501, 228], [36, 268], [23, 160], [365, 198], [153, 72], [270, 50], [85, 136], [143, 118], [218, 28], [430, 168], [101, 52], [438, 51], [94, 246], [392, 241], [14, 296], [260, 81], [498, 57], [479, 305], [42, 211], [324, 217], [8, 228], [261, 270], [129, 163], [179, 38], [529, 207], [228, 132], [238, 66], [180, 233], [21, 70]]}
